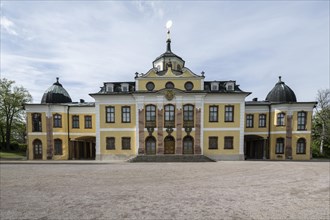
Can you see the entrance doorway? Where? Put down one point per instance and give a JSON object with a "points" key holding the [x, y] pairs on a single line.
{"points": [[82, 148], [255, 147], [37, 149], [188, 145], [169, 145], [151, 145]]}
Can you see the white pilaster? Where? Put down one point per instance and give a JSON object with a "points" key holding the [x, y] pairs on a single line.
{"points": [[97, 129], [242, 123]]}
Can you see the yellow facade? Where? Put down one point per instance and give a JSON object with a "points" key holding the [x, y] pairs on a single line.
{"points": [[168, 111]]}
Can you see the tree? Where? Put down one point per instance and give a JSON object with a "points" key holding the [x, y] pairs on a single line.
{"points": [[321, 121], [12, 100]]}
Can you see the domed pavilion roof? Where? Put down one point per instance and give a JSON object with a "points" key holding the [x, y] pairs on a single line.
{"points": [[56, 94], [281, 93]]}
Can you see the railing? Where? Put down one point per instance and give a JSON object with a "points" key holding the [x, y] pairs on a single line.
{"points": [[150, 124], [169, 124], [188, 124]]}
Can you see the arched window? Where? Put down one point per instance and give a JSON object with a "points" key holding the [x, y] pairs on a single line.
{"points": [[301, 146], [37, 149], [57, 121], [188, 145], [150, 145], [279, 146], [58, 147], [169, 116]]}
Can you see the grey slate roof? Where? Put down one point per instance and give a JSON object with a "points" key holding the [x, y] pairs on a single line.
{"points": [[281, 93], [56, 94]]}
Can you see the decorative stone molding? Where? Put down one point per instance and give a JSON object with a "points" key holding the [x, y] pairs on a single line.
{"points": [[178, 102], [160, 103], [198, 102]]}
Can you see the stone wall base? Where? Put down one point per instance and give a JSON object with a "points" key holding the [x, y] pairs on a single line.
{"points": [[105, 157], [226, 157]]}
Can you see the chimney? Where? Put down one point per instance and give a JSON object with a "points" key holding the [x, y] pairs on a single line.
{"points": [[255, 99], [82, 101]]}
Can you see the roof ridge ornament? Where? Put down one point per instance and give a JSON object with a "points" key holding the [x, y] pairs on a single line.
{"points": [[168, 41]]}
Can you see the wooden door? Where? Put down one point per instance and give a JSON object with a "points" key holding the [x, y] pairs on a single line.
{"points": [[37, 150], [188, 145], [151, 146], [169, 145]]}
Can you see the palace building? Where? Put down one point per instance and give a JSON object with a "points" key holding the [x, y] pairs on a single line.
{"points": [[170, 110]]}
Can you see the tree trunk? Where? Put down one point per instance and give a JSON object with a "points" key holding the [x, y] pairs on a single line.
{"points": [[322, 138], [8, 130]]}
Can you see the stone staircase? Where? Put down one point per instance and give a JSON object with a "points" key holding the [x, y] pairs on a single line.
{"points": [[170, 158]]}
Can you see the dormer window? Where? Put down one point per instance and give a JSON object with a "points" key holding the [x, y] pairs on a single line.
{"points": [[230, 86], [109, 87], [124, 87], [214, 86]]}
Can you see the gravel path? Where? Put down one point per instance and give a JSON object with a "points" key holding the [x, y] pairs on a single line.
{"points": [[222, 190]]}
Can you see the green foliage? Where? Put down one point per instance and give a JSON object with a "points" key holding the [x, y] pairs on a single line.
{"points": [[321, 125], [12, 114]]}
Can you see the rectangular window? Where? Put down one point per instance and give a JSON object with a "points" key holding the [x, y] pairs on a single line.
{"points": [[150, 116], [280, 119], [88, 121], [57, 121], [188, 113], [229, 143], [213, 113], [188, 116], [279, 146], [75, 121], [58, 147], [150, 113], [249, 121], [126, 143], [169, 116], [302, 116], [36, 122], [110, 114], [229, 113], [262, 121], [125, 114], [213, 143], [110, 143]]}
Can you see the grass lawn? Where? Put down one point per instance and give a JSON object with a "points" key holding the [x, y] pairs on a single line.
{"points": [[12, 155]]}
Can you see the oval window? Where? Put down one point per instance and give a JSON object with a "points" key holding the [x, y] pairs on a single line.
{"points": [[150, 86], [188, 86], [169, 85]]}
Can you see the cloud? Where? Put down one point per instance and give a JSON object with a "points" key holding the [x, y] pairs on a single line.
{"points": [[95, 42], [7, 25]]}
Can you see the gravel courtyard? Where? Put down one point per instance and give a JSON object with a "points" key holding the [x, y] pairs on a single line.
{"points": [[222, 190]]}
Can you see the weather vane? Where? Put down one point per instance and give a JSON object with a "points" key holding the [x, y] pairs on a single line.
{"points": [[168, 26]]}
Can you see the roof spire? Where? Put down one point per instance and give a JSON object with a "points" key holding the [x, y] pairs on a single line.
{"points": [[168, 41], [280, 78], [57, 78]]}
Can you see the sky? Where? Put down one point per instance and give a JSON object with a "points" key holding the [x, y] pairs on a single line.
{"points": [[86, 43]]}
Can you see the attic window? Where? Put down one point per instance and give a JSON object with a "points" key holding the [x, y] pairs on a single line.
{"points": [[178, 67], [109, 87], [214, 86], [124, 87], [230, 86]]}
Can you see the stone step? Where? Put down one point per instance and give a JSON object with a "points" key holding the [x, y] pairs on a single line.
{"points": [[170, 158]]}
